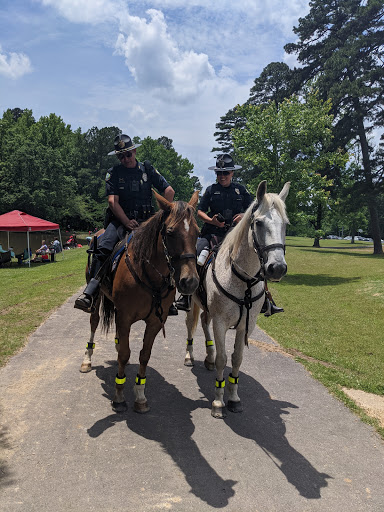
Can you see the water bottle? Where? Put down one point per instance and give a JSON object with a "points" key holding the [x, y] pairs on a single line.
{"points": [[203, 256]]}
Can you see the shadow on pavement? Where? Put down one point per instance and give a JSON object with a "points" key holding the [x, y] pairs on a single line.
{"points": [[169, 423], [261, 421]]}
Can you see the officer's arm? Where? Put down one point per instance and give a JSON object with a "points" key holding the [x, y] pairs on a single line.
{"points": [[169, 194], [208, 220], [118, 212]]}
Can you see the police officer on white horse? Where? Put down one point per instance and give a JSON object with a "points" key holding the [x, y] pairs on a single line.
{"points": [[222, 207], [128, 187]]}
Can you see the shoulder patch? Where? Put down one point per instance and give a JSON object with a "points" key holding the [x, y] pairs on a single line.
{"points": [[156, 171], [107, 176]]}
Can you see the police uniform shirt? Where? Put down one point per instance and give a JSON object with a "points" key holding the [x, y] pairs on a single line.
{"points": [[133, 186], [229, 201]]}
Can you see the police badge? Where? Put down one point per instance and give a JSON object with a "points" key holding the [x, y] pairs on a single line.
{"points": [[237, 191], [145, 176]]}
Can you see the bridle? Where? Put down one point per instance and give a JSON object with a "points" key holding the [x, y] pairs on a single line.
{"points": [[261, 250]]}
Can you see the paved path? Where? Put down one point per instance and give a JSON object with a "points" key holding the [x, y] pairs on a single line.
{"points": [[294, 448]]}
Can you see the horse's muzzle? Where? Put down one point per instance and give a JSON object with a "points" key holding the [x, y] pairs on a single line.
{"points": [[275, 271], [187, 285]]}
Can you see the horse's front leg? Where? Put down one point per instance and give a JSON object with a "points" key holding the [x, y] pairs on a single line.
{"points": [[234, 403], [209, 361], [191, 319], [218, 405], [86, 365], [151, 330], [123, 328]]}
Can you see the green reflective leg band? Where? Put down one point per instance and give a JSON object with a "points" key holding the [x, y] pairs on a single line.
{"points": [[116, 341], [139, 381], [190, 342], [220, 383], [120, 381], [233, 380], [90, 345], [209, 343]]}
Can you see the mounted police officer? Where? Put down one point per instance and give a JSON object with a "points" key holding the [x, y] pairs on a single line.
{"points": [[222, 207], [128, 187]]}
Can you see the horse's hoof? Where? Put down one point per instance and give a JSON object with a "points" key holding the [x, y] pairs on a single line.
{"points": [[119, 406], [189, 362], [85, 368], [234, 406], [209, 366], [218, 412], [141, 407]]}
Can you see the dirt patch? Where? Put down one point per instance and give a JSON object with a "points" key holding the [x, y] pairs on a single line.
{"points": [[372, 404]]}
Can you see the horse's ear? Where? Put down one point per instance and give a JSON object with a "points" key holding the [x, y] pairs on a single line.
{"points": [[194, 199], [261, 190], [163, 203], [283, 194]]}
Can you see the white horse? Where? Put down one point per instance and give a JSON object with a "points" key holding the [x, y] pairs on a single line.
{"points": [[234, 284]]}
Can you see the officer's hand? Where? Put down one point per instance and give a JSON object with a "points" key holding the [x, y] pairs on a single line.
{"points": [[237, 218], [217, 223], [132, 224]]}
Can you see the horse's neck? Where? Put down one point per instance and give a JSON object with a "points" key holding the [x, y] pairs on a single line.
{"points": [[246, 258]]}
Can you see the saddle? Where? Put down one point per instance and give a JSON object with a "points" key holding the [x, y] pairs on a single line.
{"points": [[202, 271]]}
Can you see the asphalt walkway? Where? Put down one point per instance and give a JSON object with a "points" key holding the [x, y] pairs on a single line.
{"points": [[294, 448]]}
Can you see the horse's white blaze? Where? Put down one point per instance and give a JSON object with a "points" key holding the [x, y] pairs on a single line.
{"points": [[186, 225]]}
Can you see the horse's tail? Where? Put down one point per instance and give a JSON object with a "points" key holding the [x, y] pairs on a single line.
{"points": [[107, 313]]}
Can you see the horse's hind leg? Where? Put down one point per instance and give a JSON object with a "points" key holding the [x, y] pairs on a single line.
{"points": [[209, 361], [86, 365], [234, 403], [191, 319]]}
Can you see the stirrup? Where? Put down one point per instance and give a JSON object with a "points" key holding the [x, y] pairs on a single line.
{"points": [[183, 303]]}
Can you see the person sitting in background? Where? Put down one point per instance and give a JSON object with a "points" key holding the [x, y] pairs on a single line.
{"points": [[43, 249]]}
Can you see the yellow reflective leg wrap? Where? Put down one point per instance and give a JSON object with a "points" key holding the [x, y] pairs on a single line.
{"points": [[209, 343], [139, 381], [233, 380], [90, 345], [120, 381], [116, 341], [189, 342], [220, 383]]}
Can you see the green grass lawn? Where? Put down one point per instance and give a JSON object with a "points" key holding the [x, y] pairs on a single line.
{"points": [[29, 295], [333, 299]]}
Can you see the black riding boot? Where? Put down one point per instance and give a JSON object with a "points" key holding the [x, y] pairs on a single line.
{"points": [[269, 307], [184, 303], [87, 300], [173, 310]]}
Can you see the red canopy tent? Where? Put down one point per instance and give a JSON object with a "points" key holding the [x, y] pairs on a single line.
{"points": [[17, 221]]}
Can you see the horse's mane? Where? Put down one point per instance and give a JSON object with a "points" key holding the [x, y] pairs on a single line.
{"points": [[232, 241], [144, 241]]}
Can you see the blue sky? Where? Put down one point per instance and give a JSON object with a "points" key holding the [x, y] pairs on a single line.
{"points": [[169, 67]]}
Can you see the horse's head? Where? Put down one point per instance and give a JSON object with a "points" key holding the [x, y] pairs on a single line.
{"points": [[179, 236], [268, 225]]}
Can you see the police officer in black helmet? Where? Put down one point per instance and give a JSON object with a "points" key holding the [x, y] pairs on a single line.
{"points": [[221, 207], [128, 187]]}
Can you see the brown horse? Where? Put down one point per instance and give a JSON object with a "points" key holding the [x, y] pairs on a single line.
{"points": [[160, 255]]}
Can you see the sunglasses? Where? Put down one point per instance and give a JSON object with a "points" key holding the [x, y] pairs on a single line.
{"points": [[126, 154], [223, 173]]}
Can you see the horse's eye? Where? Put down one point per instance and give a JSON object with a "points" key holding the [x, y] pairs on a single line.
{"points": [[170, 232], [259, 222]]}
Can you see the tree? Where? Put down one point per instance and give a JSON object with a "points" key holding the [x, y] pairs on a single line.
{"points": [[175, 169], [341, 47], [290, 142]]}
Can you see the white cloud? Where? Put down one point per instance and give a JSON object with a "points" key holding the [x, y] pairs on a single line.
{"points": [[86, 11], [14, 65]]}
